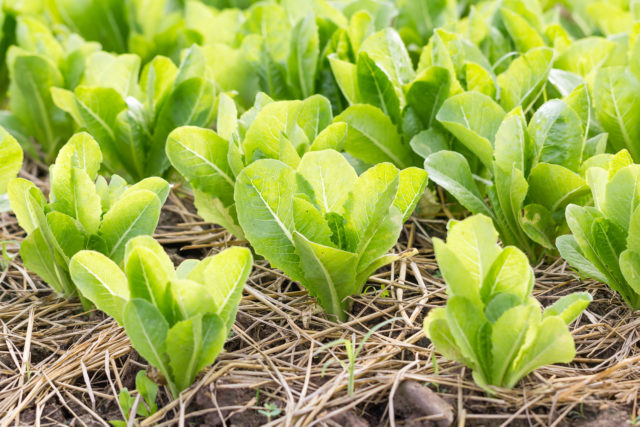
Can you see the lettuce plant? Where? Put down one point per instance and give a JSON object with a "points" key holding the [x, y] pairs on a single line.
{"points": [[178, 320], [280, 49], [604, 239], [282, 130], [10, 163], [83, 212], [146, 28], [322, 224], [38, 62], [130, 117], [491, 323], [532, 172]]}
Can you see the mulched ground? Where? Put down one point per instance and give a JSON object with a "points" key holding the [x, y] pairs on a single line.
{"points": [[60, 365]]}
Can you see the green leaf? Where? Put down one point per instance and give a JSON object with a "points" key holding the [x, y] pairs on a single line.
{"points": [[10, 159], [27, 203], [200, 155], [376, 88], [558, 134], [303, 55], [329, 274], [75, 195], [552, 344], [346, 75], [101, 281], [32, 77], [465, 320], [147, 274], [133, 215], [513, 145], [263, 194], [509, 334], [411, 185], [148, 331], [387, 50], [474, 243], [554, 186], [509, 273], [523, 34], [427, 93], [369, 200], [372, 137], [569, 307], [183, 346], [622, 196], [190, 299], [451, 171], [38, 257], [331, 177], [474, 119], [630, 267], [617, 98], [224, 278], [572, 253], [524, 79]]}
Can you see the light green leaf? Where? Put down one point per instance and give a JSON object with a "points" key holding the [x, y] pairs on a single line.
{"points": [[264, 199], [303, 55], [101, 281], [509, 333], [148, 331], [131, 216], [376, 88], [10, 159], [617, 105], [329, 274], [331, 177], [558, 134], [474, 119], [572, 253], [372, 137], [224, 278], [524, 79], [553, 344], [569, 307], [411, 185], [451, 171]]}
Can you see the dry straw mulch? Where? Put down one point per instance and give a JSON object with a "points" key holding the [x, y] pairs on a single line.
{"points": [[59, 365]]}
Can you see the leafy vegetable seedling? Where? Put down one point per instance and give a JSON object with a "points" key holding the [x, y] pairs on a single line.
{"points": [[178, 320], [83, 212], [534, 171], [322, 224], [145, 404], [491, 323], [131, 117], [282, 130], [10, 163], [605, 244]]}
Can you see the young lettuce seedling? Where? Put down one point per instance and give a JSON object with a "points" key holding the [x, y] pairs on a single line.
{"points": [[322, 224], [532, 171], [10, 163], [130, 117], [282, 130], [178, 320], [491, 323], [605, 244], [83, 212]]}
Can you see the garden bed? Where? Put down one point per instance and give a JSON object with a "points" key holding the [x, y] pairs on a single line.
{"points": [[60, 365]]}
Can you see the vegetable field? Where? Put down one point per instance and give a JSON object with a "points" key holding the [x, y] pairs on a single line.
{"points": [[322, 212]]}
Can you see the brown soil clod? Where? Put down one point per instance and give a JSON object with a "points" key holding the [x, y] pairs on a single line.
{"points": [[422, 407]]}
